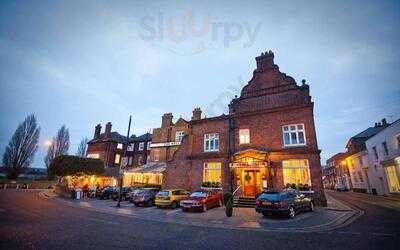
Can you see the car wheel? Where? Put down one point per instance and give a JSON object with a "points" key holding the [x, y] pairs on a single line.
{"points": [[292, 213], [174, 205], [311, 208], [204, 207]]}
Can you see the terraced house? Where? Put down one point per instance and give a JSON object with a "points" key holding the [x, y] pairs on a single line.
{"points": [[267, 140]]}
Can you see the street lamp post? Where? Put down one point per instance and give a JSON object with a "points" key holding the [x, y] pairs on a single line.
{"points": [[125, 160]]}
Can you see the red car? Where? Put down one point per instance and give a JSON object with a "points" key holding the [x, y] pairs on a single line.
{"points": [[202, 200]]}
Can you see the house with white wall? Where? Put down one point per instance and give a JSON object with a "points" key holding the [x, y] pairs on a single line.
{"points": [[384, 159]]}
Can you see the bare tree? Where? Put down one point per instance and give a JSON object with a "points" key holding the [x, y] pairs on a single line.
{"points": [[58, 146], [22, 147], [82, 147]]}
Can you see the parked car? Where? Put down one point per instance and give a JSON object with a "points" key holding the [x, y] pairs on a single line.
{"points": [[202, 200], [340, 187], [144, 197], [289, 202], [170, 198], [124, 193], [105, 193]]}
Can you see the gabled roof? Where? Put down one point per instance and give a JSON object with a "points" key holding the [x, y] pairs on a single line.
{"points": [[366, 134]]}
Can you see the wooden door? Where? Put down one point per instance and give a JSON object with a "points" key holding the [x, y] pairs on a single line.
{"points": [[249, 184]]}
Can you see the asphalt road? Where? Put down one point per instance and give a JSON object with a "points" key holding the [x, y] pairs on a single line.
{"points": [[30, 222]]}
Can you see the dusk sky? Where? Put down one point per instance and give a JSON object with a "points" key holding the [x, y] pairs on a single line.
{"points": [[81, 63]]}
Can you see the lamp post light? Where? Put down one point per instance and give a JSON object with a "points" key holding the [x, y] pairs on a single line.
{"points": [[123, 162]]}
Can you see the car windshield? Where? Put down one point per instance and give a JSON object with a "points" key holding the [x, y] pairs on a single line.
{"points": [[163, 193], [199, 194], [272, 196]]}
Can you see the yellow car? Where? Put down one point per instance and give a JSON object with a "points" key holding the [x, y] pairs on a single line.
{"points": [[170, 198]]}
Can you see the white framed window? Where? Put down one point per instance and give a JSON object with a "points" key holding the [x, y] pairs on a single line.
{"points": [[148, 145], [120, 146], [179, 135], [130, 147], [212, 172], [93, 156], [244, 136], [211, 142], [296, 172], [294, 135], [141, 146], [117, 158]]}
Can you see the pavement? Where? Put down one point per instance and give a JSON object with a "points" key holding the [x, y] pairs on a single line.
{"points": [[32, 221], [334, 216]]}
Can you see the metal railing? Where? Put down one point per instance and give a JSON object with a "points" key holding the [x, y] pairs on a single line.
{"points": [[236, 190]]}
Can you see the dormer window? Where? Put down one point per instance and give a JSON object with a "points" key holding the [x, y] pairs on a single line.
{"points": [[120, 146], [294, 135]]}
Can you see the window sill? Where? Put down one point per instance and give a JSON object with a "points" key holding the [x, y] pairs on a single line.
{"points": [[295, 146]]}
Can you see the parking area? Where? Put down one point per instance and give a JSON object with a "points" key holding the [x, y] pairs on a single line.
{"points": [[322, 219]]}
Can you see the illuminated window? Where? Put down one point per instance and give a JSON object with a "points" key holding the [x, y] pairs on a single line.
{"points": [[211, 142], [179, 135], [393, 180], [212, 172], [244, 136], [117, 158], [120, 146], [131, 147], [296, 172], [294, 135], [141, 146], [94, 156]]}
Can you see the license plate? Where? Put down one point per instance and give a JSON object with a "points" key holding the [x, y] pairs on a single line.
{"points": [[266, 203]]}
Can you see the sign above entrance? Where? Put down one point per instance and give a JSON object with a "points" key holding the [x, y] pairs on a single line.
{"points": [[248, 165], [165, 144]]}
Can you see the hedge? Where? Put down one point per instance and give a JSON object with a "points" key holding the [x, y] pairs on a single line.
{"points": [[73, 165]]}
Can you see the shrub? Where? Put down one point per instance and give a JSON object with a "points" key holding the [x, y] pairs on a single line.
{"points": [[228, 197], [229, 208], [73, 165]]}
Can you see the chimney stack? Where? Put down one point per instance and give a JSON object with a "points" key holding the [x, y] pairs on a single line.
{"points": [[384, 122], [97, 131], [196, 114], [166, 120], [108, 129]]}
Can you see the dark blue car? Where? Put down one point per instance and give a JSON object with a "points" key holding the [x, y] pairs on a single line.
{"points": [[288, 202]]}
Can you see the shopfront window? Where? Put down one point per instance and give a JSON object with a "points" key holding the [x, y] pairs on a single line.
{"points": [[296, 172], [212, 172], [393, 180]]}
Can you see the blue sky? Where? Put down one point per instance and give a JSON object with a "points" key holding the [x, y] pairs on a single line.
{"points": [[80, 63]]}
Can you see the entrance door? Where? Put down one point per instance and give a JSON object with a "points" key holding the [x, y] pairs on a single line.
{"points": [[249, 183]]}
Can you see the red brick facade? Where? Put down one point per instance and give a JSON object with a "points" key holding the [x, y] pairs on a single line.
{"points": [[106, 146], [267, 104]]}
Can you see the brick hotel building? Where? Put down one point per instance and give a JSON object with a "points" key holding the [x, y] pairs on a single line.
{"points": [[267, 140]]}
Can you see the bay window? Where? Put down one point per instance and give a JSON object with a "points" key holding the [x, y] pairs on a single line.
{"points": [[296, 172], [211, 142], [212, 172], [294, 135]]}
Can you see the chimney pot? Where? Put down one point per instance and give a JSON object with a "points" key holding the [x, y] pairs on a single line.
{"points": [[384, 122]]}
